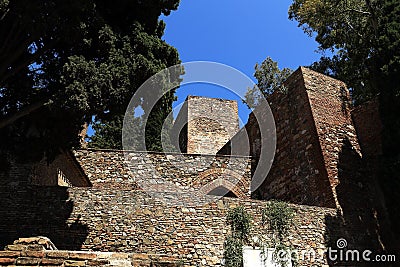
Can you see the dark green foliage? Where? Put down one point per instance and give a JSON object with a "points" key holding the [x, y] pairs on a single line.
{"points": [[278, 216], [240, 222], [347, 28], [233, 253], [88, 57], [107, 134], [157, 120]]}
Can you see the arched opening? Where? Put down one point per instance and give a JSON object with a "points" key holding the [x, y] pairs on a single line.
{"points": [[222, 191]]}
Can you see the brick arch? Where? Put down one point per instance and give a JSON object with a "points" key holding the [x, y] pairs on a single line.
{"points": [[224, 183], [239, 187]]}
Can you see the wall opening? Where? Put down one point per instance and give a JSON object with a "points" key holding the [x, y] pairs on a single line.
{"points": [[222, 191]]}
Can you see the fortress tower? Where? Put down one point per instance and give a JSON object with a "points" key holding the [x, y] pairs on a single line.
{"points": [[204, 125]]}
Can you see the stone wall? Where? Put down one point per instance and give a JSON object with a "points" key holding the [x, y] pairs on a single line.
{"points": [[298, 173], [369, 126], [132, 170], [318, 160], [211, 122], [64, 170], [330, 105], [34, 251], [132, 222], [314, 133]]}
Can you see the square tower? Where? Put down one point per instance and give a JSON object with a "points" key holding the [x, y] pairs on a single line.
{"points": [[204, 125]]}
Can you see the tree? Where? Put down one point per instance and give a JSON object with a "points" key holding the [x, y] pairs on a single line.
{"points": [[347, 28], [270, 78], [80, 59], [365, 37]]}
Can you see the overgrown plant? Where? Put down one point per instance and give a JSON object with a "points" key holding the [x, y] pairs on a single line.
{"points": [[233, 253], [240, 222], [278, 216]]}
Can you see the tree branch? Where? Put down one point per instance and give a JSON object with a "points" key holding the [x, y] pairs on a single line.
{"points": [[28, 61], [5, 13], [23, 112], [373, 16], [352, 28], [8, 59], [358, 11]]}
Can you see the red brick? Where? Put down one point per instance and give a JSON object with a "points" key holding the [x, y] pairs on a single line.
{"points": [[46, 261], [9, 253], [27, 261], [7, 261]]}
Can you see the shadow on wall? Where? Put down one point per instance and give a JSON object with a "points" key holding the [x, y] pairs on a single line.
{"points": [[362, 222], [28, 211]]}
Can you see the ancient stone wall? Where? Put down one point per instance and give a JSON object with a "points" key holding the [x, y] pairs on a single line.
{"points": [[211, 122], [314, 133], [35, 251], [131, 170], [64, 170], [298, 172], [330, 105], [368, 126], [130, 221], [318, 160]]}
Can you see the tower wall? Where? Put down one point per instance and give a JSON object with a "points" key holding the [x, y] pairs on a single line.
{"points": [[206, 124]]}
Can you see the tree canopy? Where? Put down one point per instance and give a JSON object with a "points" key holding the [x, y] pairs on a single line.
{"points": [[363, 36], [269, 77], [64, 62]]}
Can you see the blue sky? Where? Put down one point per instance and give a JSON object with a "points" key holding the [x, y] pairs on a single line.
{"points": [[239, 34]]}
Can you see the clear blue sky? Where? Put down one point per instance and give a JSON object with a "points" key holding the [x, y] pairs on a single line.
{"points": [[239, 34]]}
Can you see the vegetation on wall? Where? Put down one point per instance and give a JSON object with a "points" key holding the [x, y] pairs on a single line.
{"points": [[240, 223], [277, 217], [276, 220]]}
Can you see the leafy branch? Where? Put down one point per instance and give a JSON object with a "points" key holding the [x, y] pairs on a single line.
{"points": [[240, 222]]}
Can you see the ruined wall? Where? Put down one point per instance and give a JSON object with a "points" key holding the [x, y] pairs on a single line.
{"points": [[211, 122], [64, 170], [38, 251], [316, 142], [330, 104], [130, 221], [298, 173], [368, 126], [318, 160], [122, 170]]}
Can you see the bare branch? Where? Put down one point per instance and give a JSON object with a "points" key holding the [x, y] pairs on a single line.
{"points": [[5, 13], [23, 112], [358, 11], [352, 28]]}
